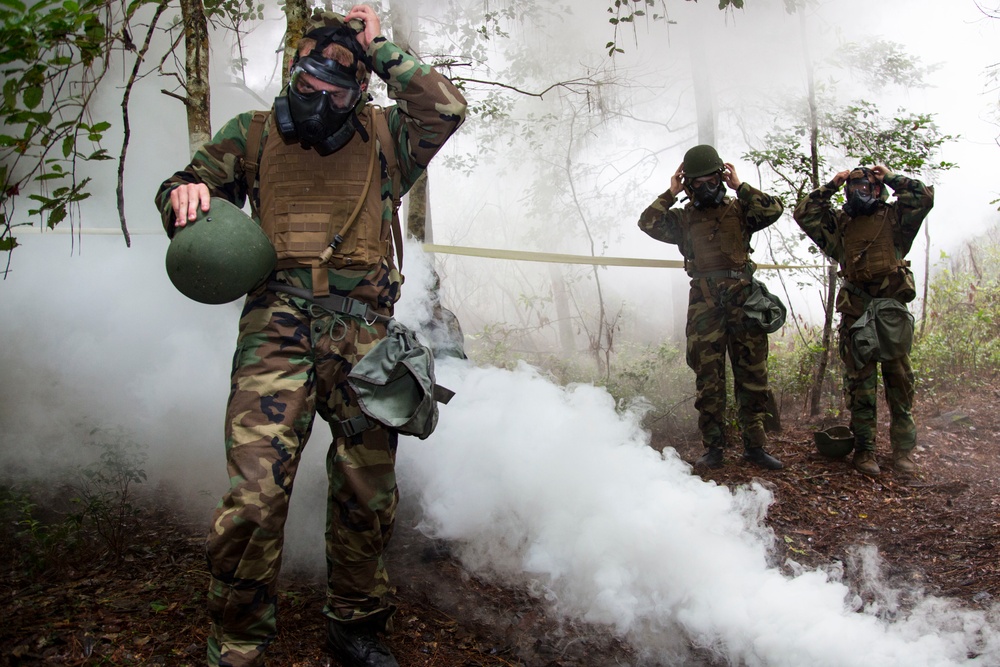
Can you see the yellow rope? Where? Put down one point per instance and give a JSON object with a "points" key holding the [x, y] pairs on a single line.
{"points": [[557, 258]]}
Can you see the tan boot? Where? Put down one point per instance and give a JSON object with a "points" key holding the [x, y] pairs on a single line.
{"points": [[903, 463], [864, 462]]}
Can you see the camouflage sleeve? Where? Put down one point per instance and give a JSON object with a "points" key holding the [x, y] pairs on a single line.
{"points": [[428, 110], [817, 218], [914, 201], [761, 210], [660, 222], [216, 164]]}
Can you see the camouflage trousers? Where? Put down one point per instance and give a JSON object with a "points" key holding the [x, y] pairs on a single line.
{"points": [[290, 363], [715, 328], [861, 392]]}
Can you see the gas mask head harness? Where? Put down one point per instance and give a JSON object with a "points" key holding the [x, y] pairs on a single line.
{"points": [[319, 107], [706, 191], [862, 192]]}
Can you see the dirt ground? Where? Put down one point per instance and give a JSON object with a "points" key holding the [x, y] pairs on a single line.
{"points": [[937, 531]]}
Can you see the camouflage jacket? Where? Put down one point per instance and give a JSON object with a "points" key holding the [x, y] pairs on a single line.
{"points": [[824, 224], [428, 110], [664, 223]]}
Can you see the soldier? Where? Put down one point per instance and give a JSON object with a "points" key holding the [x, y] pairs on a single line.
{"points": [[869, 238], [713, 233], [321, 145]]}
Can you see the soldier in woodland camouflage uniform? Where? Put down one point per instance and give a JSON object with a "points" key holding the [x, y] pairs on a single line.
{"points": [[321, 146], [713, 232], [870, 238]]}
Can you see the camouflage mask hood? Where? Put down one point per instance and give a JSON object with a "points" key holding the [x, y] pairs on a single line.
{"points": [[312, 118]]}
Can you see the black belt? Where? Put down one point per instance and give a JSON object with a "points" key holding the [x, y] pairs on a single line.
{"points": [[344, 305]]}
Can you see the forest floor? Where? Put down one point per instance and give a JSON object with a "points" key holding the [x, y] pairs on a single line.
{"points": [[937, 531]]}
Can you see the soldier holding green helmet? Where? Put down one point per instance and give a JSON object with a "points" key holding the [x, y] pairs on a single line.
{"points": [[713, 232], [324, 185]]}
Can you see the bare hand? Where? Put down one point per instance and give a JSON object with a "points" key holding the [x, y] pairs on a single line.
{"points": [[841, 177], [677, 180], [730, 177], [373, 28], [187, 199], [881, 171]]}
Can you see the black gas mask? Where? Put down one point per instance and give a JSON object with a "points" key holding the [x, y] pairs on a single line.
{"points": [[707, 191], [320, 103], [862, 195]]}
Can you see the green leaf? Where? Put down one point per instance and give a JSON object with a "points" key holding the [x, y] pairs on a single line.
{"points": [[156, 605], [14, 4], [10, 242], [57, 215], [67, 147], [32, 97]]}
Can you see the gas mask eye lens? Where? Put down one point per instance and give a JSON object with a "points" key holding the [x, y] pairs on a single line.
{"points": [[711, 180], [337, 97], [860, 185]]}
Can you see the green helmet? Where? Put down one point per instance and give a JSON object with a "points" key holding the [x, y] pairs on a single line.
{"points": [[835, 442], [701, 160], [220, 256]]}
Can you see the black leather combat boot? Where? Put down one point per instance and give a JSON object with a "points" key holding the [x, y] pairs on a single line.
{"points": [[758, 456], [712, 458], [358, 644]]}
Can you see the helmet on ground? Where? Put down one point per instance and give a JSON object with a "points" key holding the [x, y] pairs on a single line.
{"points": [[220, 256], [701, 160], [835, 442]]}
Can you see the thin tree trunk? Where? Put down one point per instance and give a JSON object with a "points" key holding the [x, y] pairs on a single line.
{"points": [[560, 298], [197, 89], [704, 94], [927, 276], [816, 392], [126, 125]]}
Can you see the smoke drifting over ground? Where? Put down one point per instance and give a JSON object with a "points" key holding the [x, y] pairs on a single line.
{"points": [[554, 488], [550, 487]]}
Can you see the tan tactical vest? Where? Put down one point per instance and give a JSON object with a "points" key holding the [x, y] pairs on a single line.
{"points": [[715, 240], [307, 201], [869, 252]]}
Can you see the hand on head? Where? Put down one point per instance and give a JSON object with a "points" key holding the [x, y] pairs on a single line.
{"points": [[373, 27], [730, 177], [677, 180], [841, 177]]}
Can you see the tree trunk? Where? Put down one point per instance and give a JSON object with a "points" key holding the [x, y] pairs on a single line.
{"points": [[418, 224], [297, 13], [198, 92], [704, 95], [560, 298], [406, 36], [927, 276], [816, 392]]}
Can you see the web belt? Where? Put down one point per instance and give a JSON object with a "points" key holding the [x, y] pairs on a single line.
{"points": [[332, 302], [736, 275]]}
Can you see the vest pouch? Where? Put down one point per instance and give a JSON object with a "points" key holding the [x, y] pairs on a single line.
{"points": [[762, 311], [716, 240], [394, 383], [868, 247], [883, 332]]}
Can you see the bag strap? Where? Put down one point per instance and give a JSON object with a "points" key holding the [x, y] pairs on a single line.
{"points": [[251, 156], [388, 146]]}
